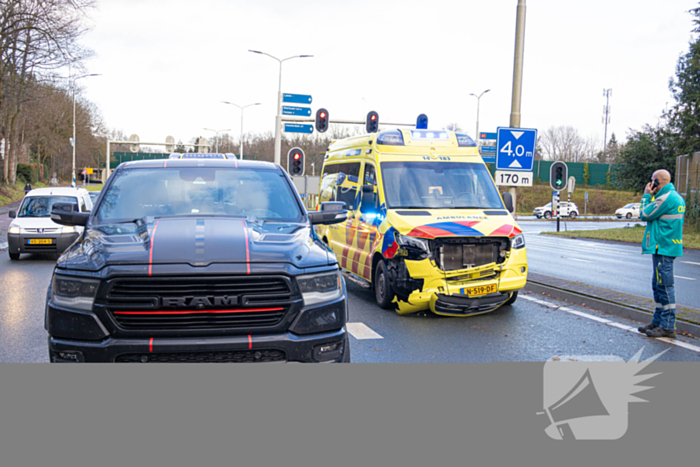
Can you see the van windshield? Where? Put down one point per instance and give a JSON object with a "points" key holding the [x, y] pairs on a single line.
{"points": [[202, 191], [439, 185], [41, 206]]}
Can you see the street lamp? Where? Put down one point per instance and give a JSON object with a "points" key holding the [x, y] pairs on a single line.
{"points": [[217, 137], [73, 87], [478, 99], [278, 119], [231, 103]]}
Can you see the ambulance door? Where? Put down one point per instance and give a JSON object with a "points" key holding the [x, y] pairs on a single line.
{"points": [[369, 219], [343, 183]]}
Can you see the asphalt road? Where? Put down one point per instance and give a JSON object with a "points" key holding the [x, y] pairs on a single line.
{"points": [[526, 331], [611, 265]]}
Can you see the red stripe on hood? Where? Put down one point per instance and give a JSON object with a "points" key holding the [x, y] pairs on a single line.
{"points": [[503, 230], [150, 254], [247, 249], [429, 232]]}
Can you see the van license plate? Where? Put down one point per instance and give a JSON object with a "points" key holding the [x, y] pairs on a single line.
{"points": [[39, 241], [481, 290]]}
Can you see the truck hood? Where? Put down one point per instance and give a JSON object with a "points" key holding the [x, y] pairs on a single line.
{"points": [[433, 223], [198, 242]]}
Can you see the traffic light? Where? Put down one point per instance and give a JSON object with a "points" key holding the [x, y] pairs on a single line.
{"points": [[558, 175], [321, 120], [422, 122], [295, 162], [372, 122]]}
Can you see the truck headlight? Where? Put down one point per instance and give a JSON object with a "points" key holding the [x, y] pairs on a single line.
{"points": [[68, 229], [320, 288], [14, 229], [75, 293], [518, 242]]}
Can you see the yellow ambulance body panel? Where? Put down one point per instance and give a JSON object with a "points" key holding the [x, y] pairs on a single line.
{"points": [[426, 227]]}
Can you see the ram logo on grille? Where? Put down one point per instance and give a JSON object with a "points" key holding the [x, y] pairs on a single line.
{"points": [[200, 302]]}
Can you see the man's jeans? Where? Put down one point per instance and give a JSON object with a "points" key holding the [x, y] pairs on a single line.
{"points": [[664, 293]]}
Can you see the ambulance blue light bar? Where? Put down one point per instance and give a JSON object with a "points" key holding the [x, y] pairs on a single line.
{"points": [[391, 138], [199, 155], [426, 134], [464, 140]]}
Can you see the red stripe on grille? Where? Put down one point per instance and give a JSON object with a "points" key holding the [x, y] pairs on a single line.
{"points": [[150, 255], [250, 342], [150, 345], [195, 312]]}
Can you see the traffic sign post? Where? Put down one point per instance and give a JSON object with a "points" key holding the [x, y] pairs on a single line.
{"points": [[555, 206], [515, 148]]}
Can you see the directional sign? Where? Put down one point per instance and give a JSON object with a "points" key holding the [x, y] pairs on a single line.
{"points": [[515, 148], [488, 150], [483, 135], [296, 98], [298, 128], [504, 178], [489, 159], [301, 111]]}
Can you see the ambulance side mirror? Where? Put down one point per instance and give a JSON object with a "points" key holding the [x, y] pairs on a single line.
{"points": [[508, 200]]}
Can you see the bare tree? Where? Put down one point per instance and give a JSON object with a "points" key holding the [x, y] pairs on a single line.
{"points": [[564, 143]]}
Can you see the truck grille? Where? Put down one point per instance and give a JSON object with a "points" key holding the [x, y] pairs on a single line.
{"points": [[170, 303], [241, 356]]}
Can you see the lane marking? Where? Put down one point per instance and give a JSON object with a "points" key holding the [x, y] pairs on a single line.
{"points": [[362, 331], [559, 246], [686, 262], [608, 322], [582, 260], [686, 278], [3, 246]]}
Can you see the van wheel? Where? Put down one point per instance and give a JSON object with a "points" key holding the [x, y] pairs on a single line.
{"points": [[547, 215], [512, 299], [14, 256], [383, 293]]}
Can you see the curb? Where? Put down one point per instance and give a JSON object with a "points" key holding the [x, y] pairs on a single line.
{"points": [[607, 306]]}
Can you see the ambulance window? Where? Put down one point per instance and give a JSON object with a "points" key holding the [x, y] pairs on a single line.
{"points": [[339, 182], [370, 175]]}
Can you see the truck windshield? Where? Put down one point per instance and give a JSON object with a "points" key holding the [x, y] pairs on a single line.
{"points": [[202, 191], [40, 206], [439, 185]]}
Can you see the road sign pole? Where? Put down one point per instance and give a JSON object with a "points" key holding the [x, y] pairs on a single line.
{"points": [[517, 77]]}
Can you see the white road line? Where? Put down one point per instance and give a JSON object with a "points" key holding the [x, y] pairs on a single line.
{"points": [[559, 246], [582, 260], [362, 331], [3, 246], [614, 324], [690, 262], [686, 278]]}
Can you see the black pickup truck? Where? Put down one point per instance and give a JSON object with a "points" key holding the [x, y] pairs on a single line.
{"points": [[198, 260]]}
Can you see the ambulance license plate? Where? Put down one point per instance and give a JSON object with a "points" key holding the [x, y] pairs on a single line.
{"points": [[39, 241], [480, 290]]}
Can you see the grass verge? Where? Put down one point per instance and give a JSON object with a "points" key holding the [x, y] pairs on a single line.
{"points": [[691, 238]]}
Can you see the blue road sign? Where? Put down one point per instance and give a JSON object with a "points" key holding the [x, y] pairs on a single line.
{"points": [[483, 135], [298, 128], [515, 148], [296, 98], [301, 111], [488, 150], [489, 159]]}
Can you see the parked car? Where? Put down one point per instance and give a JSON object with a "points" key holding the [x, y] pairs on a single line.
{"points": [[628, 211], [566, 209], [33, 230]]}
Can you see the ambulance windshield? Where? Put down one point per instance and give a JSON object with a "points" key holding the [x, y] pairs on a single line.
{"points": [[439, 185]]}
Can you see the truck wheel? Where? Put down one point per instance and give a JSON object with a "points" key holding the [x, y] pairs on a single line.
{"points": [[547, 215], [346, 355], [512, 299], [383, 293], [14, 256]]}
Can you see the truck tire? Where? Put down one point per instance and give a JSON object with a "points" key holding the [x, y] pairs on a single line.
{"points": [[14, 256], [346, 355], [383, 293]]}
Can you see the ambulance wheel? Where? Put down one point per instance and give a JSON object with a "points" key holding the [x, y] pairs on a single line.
{"points": [[383, 293], [512, 299]]}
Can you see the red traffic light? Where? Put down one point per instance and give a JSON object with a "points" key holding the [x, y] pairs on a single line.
{"points": [[374, 117], [297, 156], [323, 115]]}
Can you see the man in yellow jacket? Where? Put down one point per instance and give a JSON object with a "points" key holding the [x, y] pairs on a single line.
{"points": [[663, 238]]}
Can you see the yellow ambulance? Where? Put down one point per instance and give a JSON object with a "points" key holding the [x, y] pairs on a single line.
{"points": [[427, 228]]}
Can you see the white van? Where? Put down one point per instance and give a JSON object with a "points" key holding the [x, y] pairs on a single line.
{"points": [[33, 231]]}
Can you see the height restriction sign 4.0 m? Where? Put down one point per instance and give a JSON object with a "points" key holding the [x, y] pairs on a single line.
{"points": [[515, 148]]}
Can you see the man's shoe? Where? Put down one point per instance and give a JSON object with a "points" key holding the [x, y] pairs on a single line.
{"points": [[661, 332], [646, 328]]}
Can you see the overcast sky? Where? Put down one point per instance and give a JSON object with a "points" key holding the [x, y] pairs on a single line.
{"points": [[166, 65]]}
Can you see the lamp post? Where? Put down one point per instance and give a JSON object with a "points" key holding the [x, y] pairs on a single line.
{"points": [[217, 137], [242, 108], [478, 100], [278, 118], [73, 142]]}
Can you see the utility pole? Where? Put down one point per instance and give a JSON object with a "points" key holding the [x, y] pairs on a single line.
{"points": [[518, 77], [606, 119]]}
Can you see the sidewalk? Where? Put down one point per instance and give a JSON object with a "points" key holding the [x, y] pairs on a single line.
{"points": [[614, 302]]}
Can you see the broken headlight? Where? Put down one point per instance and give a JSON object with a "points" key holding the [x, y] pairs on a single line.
{"points": [[414, 248], [518, 242]]}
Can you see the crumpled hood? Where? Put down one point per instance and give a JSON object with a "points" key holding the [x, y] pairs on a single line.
{"points": [[198, 242]]}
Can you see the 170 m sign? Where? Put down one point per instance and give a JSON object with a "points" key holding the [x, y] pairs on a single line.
{"points": [[504, 178]]}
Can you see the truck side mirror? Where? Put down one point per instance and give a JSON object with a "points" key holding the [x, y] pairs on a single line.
{"points": [[508, 200], [65, 214], [332, 212]]}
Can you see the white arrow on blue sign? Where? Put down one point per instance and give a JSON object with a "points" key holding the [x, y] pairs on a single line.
{"points": [[298, 128], [296, 98], [515, 148], [299, 111]]}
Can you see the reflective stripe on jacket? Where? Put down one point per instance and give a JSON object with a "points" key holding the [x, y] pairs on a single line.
{"points": [[664, 215]]}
